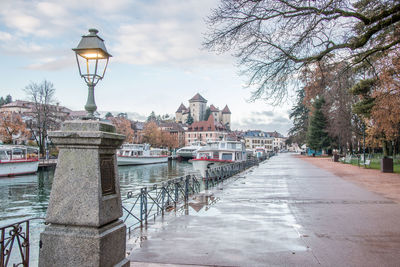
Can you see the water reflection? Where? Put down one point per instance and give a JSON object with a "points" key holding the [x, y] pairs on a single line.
{"points": [[132, 178], [24, 196], [27, 196]]}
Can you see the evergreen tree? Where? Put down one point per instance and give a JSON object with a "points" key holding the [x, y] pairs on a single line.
{"points": [[189, 119], [108, 114], [8, 99], [363, 89], [299, 115], [207, 114], [317, 136], [151, 117], [2, 101]]}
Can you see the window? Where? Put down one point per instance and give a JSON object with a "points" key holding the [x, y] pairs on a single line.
{"points": [[226, 156]]}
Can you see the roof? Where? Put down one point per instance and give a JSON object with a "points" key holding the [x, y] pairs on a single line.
{"points": [[171, 126], [198, 98], [181, 108], [257, 133], [275, 134], [18, 103], [206, 126], [213, 109], [226, 110], [78, 113]]}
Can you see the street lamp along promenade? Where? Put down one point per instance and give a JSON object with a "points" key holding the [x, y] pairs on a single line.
{"points": [[92, 58]]}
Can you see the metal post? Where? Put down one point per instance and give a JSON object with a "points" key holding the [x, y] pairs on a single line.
{"points": [[2, 247], [176, 192], [90, 106], [162, 198], [207, 176], [187, 188], [364, 142], [143, 205]]}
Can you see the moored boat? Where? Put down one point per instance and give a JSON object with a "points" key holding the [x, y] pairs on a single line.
{"points": [[260, 152], [18, 160], [189, 152], [218, 153], [139, 154]]}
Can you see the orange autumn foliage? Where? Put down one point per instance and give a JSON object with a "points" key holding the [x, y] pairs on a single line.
{"points": [[123, 126], [12, 126], [386, 112]]}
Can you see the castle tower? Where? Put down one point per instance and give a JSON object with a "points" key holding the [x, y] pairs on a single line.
{"points": [[226, 117], [197, 107], [179, 113], [216, 113]]}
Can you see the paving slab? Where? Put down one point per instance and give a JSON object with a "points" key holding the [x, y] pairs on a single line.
{"points": [[285, 212]]}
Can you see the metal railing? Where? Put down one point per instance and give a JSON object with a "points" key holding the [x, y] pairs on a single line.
{"points": [[155, 200]]}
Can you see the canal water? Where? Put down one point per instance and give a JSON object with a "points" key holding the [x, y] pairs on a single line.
{"points": [[25, 197]]}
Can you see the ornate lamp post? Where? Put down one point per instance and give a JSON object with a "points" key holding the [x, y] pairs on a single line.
{"points": [[92, 58], [83, 225]]}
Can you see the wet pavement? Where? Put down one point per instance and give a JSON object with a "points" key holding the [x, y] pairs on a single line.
{"points": [[286, 212]]}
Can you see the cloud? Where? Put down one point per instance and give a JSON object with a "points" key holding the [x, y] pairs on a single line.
{"points": [[52, 64], [157, 32], [277, 122], [263, 113], [5, 36]]}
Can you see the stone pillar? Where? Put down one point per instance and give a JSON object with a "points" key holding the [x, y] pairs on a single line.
{"points": [[84, 228]]}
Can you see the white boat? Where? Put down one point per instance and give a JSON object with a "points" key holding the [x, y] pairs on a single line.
{"points": [[218, 153], [260, 152], [18, 160], [189, 152], [139, 154]]}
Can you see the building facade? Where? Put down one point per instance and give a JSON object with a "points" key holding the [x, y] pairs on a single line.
{"points": [[205, 131], [254, 139], [175, 130], [279, 141]]}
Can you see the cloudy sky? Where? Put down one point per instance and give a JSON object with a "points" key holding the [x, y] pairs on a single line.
{"points": [[157, 62]]}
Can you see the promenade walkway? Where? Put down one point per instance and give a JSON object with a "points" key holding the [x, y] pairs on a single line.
{"points": [[286, 212]]}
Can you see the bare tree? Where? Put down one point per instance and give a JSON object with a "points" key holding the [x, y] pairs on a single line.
{"points": [[275, 39], [43, 112]]}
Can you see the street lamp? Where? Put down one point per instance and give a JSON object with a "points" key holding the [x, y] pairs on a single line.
{"points": [[92, 58]]}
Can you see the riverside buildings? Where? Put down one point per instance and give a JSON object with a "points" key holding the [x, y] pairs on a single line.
{"points": [[271, 141], [208, 123], [205, 131], [258, 138]]}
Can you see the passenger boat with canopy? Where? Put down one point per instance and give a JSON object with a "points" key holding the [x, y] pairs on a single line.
{"points": [[139, 154], [218, 153], [189, 152], [18, 160]]}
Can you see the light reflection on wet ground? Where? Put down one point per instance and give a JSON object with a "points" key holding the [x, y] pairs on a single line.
{"points": [[285, 212], [218, 226]]}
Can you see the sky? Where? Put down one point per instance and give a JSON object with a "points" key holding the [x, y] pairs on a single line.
{"points": [[158, 61]]}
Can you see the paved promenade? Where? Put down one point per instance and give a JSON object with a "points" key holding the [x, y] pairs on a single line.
{"points": [[286, 212]]}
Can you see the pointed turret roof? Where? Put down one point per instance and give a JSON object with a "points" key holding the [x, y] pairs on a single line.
{"points": [[181, 108], [226, 110], [198, 98], [213, 108]]}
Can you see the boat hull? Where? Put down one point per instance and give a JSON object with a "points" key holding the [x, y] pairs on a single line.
{"points": [[13, 168], [124, 161], [203, 165], [186, 155]]}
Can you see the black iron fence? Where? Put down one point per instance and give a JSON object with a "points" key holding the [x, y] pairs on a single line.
{"points": [[152, 201], [15, 243]]}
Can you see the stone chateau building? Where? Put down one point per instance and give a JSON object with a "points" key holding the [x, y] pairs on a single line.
{"points": [[197, 109]]}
